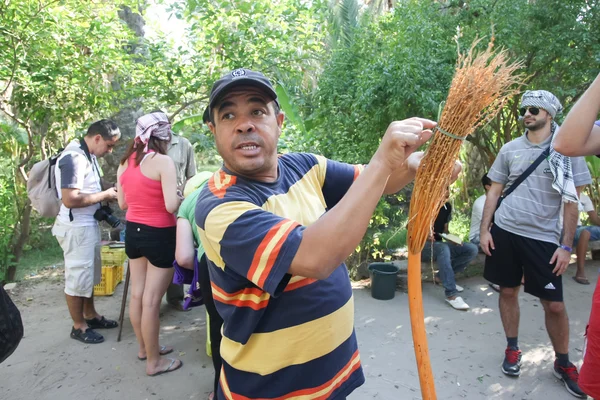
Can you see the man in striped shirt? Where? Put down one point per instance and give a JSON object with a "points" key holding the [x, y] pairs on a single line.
{"points": [[276, 230]]}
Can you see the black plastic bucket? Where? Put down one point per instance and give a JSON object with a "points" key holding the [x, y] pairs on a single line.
{"points": [[383, 280]]}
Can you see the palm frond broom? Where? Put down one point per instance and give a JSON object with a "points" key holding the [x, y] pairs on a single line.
{"points": [[481, 85]]}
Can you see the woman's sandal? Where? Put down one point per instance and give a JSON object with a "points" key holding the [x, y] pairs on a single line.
{"points": [[169, 369], [163, 352], [581, 281]]}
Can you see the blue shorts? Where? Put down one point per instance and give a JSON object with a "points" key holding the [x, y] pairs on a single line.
{"points": [[592, 229]]}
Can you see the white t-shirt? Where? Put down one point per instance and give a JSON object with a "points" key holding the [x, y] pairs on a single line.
{"points": [[476, 216], [584, 205], [75, 171]]}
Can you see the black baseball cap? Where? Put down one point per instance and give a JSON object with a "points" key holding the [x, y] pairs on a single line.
{"points": [[235, 78]]}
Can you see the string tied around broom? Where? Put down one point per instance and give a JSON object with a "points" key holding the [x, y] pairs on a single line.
{"points": [[450, 135]]}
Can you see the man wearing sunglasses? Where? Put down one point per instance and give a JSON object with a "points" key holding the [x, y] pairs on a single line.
{"points": [[524, 239]]}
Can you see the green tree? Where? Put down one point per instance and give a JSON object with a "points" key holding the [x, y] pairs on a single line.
{"points": [[57, 62]]}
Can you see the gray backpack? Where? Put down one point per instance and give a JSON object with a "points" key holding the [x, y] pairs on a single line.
{"points": [[41, 187]]}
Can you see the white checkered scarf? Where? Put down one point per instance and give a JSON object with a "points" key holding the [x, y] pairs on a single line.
{"points": [[561, 169], [152, 125]]}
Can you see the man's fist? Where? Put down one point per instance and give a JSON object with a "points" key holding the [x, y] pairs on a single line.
{"points": [[401, 139]]}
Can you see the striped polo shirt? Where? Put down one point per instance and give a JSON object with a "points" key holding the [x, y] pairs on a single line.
{"points": [[284, 336], [532, 210]]}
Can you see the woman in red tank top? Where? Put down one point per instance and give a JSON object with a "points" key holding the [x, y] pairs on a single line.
{"points": [[147, 189]]}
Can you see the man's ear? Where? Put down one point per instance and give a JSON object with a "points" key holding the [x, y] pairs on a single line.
{"points": [[211, 126], [280, 118], [97, 138]]}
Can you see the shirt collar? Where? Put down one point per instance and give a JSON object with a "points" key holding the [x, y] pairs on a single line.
{"points": [[543, 144]]}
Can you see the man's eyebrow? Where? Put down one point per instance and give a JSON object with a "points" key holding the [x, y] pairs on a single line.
{"points": [[260, 100], [225, 104]]}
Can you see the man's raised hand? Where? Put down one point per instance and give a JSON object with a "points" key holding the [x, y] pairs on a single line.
{"points": [[401, 139]]}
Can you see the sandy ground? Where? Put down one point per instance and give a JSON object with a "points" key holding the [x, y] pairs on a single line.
{"points": [[466, 348]]}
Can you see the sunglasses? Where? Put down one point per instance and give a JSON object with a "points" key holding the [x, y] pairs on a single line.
{"points": [[532, 110]]}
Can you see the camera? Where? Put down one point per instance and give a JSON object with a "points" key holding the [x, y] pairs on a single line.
{"points": [[104, 213]]}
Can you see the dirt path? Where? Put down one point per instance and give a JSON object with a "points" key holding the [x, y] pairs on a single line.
{"points": [[466, 349]]}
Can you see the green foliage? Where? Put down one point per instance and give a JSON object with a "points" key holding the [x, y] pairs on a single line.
{"points": [[460, 224], [57, 65], [397, 66]]}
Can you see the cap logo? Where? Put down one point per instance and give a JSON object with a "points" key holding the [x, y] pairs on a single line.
{"points": [[238, 72]]}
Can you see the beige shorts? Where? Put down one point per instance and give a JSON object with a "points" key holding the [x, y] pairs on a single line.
{"points": [[83, 264]]}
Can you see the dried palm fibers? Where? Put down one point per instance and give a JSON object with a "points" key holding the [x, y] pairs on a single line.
{"points": [[482, 83]]}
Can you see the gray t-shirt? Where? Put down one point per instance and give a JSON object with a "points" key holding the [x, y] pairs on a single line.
{"points": [[532, 210]]}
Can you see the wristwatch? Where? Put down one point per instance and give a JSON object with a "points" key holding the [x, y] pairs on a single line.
{"points": [[565, 247]]}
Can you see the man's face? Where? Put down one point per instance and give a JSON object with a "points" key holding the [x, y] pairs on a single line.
{"points": [[535, 122], [103, 146], [246, 131]]}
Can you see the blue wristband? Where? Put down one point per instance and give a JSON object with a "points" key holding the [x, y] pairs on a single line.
{"points": [[565, 247]]}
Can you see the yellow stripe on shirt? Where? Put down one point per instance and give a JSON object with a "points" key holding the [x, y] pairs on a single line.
{"points": [[266, 353], [294, 205], [217, 222]]}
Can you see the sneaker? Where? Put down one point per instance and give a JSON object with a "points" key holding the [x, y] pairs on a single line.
{"points": [[458, 303], [511, 365], [570, 377], [460, 288]]}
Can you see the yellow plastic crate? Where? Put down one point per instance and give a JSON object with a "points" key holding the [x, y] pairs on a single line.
{"points": [[111, 277], [111, 257]]}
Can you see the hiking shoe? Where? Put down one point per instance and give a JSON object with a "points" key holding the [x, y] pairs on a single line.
{"points": [[511, 365], [89, 336], [570, 377]]}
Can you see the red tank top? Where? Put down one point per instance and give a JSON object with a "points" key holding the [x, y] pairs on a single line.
{"points": [[144, 198]]}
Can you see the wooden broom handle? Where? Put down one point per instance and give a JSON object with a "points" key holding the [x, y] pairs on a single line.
{"points": [[417, 322]]}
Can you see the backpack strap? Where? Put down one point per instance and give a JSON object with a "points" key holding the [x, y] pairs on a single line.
{"points": [[83, 149], [527, 172]]}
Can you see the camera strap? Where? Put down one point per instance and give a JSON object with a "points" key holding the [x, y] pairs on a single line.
{"points": [[86, 151]]}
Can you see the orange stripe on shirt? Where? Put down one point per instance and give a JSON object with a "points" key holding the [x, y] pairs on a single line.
{"points": [[356, 172], [268, 250], [253, 298], [297, 282], [321, 392], [220, 182]]}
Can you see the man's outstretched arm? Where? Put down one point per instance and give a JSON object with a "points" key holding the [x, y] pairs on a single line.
{"points": [[327, 242], [578, 136]]}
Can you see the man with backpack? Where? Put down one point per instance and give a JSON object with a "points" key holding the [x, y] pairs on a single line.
{"points": [[524, 240], [78, 181]]}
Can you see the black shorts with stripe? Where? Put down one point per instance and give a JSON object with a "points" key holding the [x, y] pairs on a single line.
{"points": [[516, 257]]}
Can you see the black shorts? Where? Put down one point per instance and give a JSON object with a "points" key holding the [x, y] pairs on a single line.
{"points": [[156, 244], [516, 256]]}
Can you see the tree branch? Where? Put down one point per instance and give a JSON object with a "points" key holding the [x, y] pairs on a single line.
{"points": [[186, 105]]}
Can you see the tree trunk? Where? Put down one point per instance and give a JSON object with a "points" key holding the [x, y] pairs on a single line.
{"points": [[11, 272], [23, 238]]}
